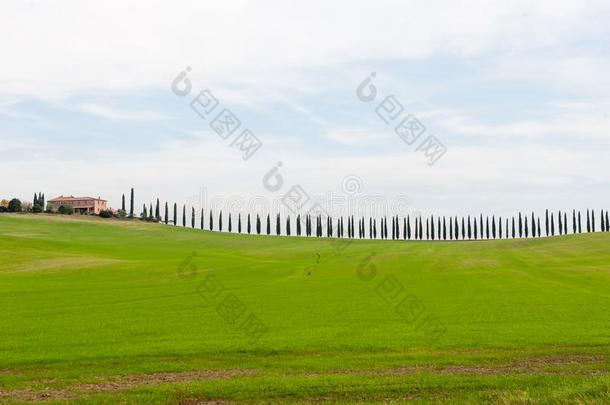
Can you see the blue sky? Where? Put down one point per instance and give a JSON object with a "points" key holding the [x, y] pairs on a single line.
{"points": [[517, 93]]}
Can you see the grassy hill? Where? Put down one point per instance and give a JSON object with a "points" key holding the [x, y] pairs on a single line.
{"points": [[111, 311]]}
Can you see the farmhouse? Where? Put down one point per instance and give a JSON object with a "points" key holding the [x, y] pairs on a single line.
{"points": [[81, 205]]}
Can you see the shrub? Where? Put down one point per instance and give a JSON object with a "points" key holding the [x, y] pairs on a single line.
{"points": [[37, 208], [14, 205], [121, 213], [106, 214], [65, 210]]}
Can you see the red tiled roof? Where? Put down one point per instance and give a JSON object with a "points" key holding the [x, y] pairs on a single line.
{"points": [[72, 198]]}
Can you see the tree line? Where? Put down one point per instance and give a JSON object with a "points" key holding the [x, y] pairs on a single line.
{"points": [[432, 227]]}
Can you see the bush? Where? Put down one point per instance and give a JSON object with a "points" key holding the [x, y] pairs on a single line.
{"points": [[37, 208], [106, 214], [14, 205], [121, 213], [65, 210]]}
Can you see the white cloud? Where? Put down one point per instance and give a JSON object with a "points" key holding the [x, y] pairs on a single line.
{"points": [[119, 115], [52, 48]]}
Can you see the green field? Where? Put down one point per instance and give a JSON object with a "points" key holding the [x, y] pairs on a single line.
{"points": [[110, 311]]}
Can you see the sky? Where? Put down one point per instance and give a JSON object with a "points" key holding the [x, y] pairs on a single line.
{"points": [[511, 101]]}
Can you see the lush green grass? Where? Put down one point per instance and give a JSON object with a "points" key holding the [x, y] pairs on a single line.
{"points": [[108, 311]]}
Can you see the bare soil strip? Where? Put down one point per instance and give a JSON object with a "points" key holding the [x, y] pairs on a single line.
{"points": [[532, 365]]}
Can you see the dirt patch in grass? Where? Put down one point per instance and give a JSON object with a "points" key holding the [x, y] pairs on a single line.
{"points": [[118, 383]]}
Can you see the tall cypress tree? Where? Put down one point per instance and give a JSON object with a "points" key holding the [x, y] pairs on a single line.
{"points": [[166, 219], [506, 229], [288, 225], [144, 214], [211, 221], [579, 223], [565, 223], [513, 228], [533, 226], [131, 207], [230, 225], [157, 211], [560, 222], [258, 224], [150, 213], [547, 222], [588, 222], [552, 225], [475, 231], [432, 227], [184, 216], [464, 229], [123, 202], [277, 225], [248, 225], [193, 217], [469, 229], [493, 226], [299, 225], [201, 220], [526, 230], [239, 222], [175, 214], [444, 229], [268, 224], [607, 223], [539, 231], [520, 226], [487, 227], [593, 220]]}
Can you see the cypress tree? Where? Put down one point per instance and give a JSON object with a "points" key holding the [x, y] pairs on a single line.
{"points": [[579, 223], [230, 224], [464, 229], [211, 221], [201, 220], [506, 229], [220, 221], [487, 227], [144, 212], [239, 222], [268, 224], [175, 214], [526, 230], [249, 225], [520, 226], [547, 222], [157, 211], [150, 213], [408, 227], [539, 231], [432, 227], [469, 229], [299, 225], [560, 222], [456, 229], [607, 223], [481, 225], [513, 228], [132, 204], [184, 216], [166, 213], [444, 229], [450, 228], [258, 224], [588, 222], [193, 217], [533, 226], [565, 223], [288, 225], [593, 220], [552, 225], [493, 226], [123, 202], [277, 225]]}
